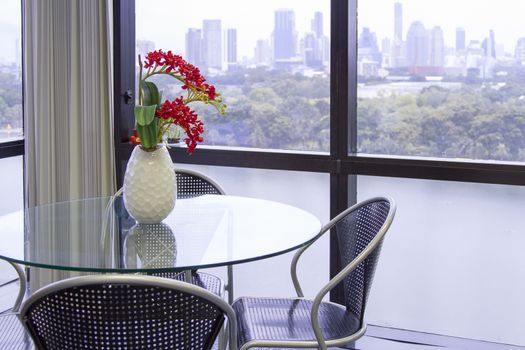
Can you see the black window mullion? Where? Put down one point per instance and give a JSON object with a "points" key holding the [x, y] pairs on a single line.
{"points": [[342, 119], [124, 79], [11, 148]]}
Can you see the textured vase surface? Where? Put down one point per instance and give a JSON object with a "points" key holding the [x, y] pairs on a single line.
{"points": [[150, 187]]}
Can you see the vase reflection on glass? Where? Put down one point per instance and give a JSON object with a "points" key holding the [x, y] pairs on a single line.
{"points": [[150, 246], [150, 186]]}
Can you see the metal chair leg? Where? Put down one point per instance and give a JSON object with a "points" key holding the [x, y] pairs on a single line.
{"points": [[229, 285]]}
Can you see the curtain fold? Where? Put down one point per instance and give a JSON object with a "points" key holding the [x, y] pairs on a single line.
{"points": [[68, 103], [68, 114]]}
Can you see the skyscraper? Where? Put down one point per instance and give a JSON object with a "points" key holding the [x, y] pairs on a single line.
{"points": [[312, 51], [437, 47], [398, 22], [211, 44], [367, 45], [317, 24], [262, 52], [284, 35], [489, 45], [460, 39], [417, 45], [231, 38], [398, 46], [519, 51], [194, 46]]}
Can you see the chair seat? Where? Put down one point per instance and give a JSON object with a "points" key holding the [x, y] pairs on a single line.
{"points": [[204, 280], [289, 319], [13, 336]]}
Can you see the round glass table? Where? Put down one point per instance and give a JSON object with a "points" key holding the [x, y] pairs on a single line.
{"points": [[98, 235]]}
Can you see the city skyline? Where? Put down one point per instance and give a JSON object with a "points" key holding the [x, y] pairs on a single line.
{"points": [[252, 20], [214, 47], [477, 18]]}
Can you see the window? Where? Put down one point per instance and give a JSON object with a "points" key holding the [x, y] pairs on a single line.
{"points": [[271, 65], [452, 256], [441, 78], [373, 144], [11, 121]]}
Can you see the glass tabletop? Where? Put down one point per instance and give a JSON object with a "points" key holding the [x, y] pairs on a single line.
{"points": [[98, 234]]}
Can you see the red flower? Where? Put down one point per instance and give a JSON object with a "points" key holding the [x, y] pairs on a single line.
{"points": [[175, 63], [179, 114]]}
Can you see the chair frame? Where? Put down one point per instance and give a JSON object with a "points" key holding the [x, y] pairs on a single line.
{"points": [[22, 288], [137, 280], [320, 342]]}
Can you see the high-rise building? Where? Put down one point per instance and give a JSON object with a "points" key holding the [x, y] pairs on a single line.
{"points": [[313, 55], [317, 24], [314, 44], [437, 47], [284, 35], [489, 45], [194, 46], [262, 52], [398, 22], [398, 46], [460, 39], [231, 38], [417, 45], [519, 51], [212, 44], [367, 46]]}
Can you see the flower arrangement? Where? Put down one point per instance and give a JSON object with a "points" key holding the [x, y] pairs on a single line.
{"points": [[153, 119]]}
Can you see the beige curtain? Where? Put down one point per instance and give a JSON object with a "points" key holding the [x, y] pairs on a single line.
{"points": [[68, 100], [68, 109]]}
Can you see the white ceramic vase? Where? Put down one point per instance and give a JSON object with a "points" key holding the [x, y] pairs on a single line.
{"points": [[150, 186]]}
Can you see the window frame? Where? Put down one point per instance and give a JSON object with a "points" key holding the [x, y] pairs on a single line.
{"points": [[342, 162]]}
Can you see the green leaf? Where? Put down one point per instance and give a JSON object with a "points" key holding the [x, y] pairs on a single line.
{"points": [[148, 135], [144, 115], [150, 93]]}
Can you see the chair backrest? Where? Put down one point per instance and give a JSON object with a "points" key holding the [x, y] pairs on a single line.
{"points": [[124, 312], [362, 228], [192, 183]]}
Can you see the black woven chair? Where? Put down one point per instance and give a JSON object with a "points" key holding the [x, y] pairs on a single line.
{"points": [[301, 323], [125, 312], [12, 334]]}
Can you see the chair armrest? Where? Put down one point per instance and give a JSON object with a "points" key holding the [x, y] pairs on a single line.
{"points": [[293, 265], [295, 260]]}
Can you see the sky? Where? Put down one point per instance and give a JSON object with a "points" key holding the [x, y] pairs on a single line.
{"points": [[10, 29], [477, 17]]}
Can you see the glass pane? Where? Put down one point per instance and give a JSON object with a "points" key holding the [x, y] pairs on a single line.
{"points": [[442, 78], [269, 59], [12, 184], [12, 190], [452, 262], [286, 187], [10, 71]]}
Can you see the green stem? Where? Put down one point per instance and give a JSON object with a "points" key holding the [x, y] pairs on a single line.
{"points": [[140, 79]]}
